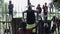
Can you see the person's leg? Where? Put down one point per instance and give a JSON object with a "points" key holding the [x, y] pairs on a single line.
{"points": [[4, 31], [40, 29], [45, 15], [37, 15], [58, 27], [54, 29], [52, 9]]}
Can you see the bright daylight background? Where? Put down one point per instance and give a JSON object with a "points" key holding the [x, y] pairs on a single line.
{"points": [[20, 5]]}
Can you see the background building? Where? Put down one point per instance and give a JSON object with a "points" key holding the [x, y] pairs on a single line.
{"points": [[3, 12]]}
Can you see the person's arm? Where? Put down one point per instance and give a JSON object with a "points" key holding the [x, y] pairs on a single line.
{"points": [[37, 14], [51, 24], [47, 8], [23, 13]]}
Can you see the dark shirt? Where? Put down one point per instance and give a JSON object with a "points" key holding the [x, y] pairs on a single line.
{"points": [[10, 7], [30, 17], [21, 31], [45, 8], [39, 9]]}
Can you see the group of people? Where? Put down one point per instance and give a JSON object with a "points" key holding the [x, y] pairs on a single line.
{"points": [[43, 27], [45, 9], [23, 25], [40, 26], [52, 27]]}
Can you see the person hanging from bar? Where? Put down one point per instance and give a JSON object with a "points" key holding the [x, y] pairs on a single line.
{"points": [[30, 15], [30, 18], [45, 10]]}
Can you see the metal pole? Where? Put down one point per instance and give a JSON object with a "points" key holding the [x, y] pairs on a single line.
{"points": [[6, 23]]}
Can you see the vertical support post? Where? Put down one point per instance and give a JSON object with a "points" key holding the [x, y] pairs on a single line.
{"points": [[6, 23]]}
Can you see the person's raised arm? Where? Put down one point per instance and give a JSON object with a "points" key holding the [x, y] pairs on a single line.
{"points": [[23, 13]]}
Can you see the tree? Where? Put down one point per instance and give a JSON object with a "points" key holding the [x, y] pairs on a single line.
{"points": [[57, 3]]}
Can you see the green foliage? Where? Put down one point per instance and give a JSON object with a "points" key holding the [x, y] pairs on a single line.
{"points": [[57, 3]]}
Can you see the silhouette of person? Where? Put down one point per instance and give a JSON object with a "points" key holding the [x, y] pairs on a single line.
{"points": [[24, 30], [10, 7], [53, 24], [51, 7], [38, 8], [30, 15], [45, 10], [46, 27], [30, 18]]}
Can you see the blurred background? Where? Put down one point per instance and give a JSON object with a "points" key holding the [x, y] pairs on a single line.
{"points": [[19, 7]]}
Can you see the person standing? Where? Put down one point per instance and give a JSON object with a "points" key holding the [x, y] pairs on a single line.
{"points": [[10, 7], [51, 7], [54, 24], [39, 10], [45, 10]]}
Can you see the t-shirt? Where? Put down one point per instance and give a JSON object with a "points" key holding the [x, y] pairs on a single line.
{"points": [[30, 17], [45, 8], [10, 7], [39, 9]]}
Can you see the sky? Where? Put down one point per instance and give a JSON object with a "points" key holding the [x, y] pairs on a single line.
{"points": [[21, 5]]}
